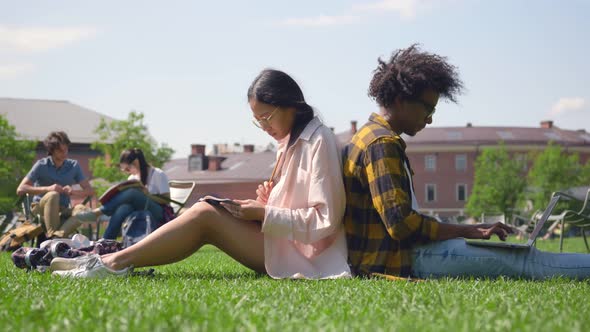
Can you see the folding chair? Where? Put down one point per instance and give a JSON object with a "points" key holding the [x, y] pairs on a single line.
{"points": [[25, 202], [180, 191], [580, 218]]}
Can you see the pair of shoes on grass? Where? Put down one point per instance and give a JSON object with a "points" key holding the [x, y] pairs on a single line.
{"points": [[90, 266]]}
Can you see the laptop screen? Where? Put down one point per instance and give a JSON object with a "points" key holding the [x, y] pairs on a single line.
{"points": [[543, 219]]}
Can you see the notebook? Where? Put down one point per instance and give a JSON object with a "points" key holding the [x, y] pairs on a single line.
{"points": [[532, 237]]}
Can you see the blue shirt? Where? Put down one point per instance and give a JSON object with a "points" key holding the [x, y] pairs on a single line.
{"points": [[44, 173]]}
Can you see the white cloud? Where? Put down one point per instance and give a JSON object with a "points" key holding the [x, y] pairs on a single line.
{"points": [[320, 21], [405, 8], [11, 71], [40, 39], [566, 105]]}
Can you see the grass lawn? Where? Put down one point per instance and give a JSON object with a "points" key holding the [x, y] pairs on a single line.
{"points": [[210, 291]]}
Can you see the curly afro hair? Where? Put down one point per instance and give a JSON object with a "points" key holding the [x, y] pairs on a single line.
{"points": [[409, 72]]}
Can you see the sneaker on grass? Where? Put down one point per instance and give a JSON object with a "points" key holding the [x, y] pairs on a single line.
{"points": [[93, 268], [62, 264]]}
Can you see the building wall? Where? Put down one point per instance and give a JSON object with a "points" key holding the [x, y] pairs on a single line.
{"points": [[446, 177]]}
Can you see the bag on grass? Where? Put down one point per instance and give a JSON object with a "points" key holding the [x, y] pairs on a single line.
{"points": [[137, 226], [15, 238]]}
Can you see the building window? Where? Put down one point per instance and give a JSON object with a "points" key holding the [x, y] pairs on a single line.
{"points": [[523, 160], [430, 192], [430, 162], [461, 192], [461, 162]]}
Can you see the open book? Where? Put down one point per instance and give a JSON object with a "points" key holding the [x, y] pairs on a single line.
{"points": [[117, 188], [216, 200]]}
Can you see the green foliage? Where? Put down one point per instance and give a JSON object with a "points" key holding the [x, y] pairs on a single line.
{"points": [[118, 135], [498, 183], [209, 291], [16, 158], [554, 170], [585, 174]]}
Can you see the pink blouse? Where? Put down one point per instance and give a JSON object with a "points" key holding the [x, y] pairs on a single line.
{"points": [[303, 232]]}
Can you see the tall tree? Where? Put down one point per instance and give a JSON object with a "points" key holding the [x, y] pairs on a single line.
{"points": [[553, 170], [16, 158], [118, 135], [498, 184]]}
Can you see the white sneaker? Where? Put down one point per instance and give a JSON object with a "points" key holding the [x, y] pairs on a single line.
{"points": [[63, 264], [93, 268]]}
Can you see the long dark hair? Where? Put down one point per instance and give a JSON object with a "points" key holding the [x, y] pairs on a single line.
{"points": [[130, 155], [278, 89]]}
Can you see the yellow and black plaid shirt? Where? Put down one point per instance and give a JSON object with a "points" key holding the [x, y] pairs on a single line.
{"points": [[381, 226]]}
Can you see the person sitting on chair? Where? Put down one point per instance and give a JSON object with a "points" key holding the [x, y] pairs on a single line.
{"points": [[51, 180], [153, 196]]}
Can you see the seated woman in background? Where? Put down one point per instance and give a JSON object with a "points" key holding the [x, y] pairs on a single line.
{"points": [[154, 193], [294, 227]]}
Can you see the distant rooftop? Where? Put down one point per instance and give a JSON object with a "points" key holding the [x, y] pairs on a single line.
{"points": [[490, 135], [35, 118], [236, 167]]}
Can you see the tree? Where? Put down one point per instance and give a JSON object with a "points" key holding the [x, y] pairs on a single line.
{"points": [[585, 175], [498, 183], [16, 157], [553, 170], [118, 135]]}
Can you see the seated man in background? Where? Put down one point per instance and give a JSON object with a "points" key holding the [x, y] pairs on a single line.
{"points": [[51, 180]]}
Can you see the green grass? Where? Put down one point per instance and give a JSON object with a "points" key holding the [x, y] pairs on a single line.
{"points": [[210, 291]]}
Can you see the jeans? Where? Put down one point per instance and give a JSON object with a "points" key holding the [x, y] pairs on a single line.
{"points": [[122, 205], [455, 258]]}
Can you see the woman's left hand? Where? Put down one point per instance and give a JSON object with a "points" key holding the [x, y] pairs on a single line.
{"points": [[247, 209]]}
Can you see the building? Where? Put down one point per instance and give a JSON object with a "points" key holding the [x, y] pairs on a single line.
{"points": [[232, 175], [34, 119], [443, 158]]}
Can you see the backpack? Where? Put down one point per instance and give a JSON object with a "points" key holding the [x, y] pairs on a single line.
{"points": [[137, 226], [15, 238]]}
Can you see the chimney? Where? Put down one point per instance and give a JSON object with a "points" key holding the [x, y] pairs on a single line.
{"points": [[215, 163], [469, 125], [353, 127], [547, 124], [248, 148], [197, 149], [332, 129], [197, 160]]}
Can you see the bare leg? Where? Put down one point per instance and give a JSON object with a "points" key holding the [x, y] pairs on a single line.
{"points": [[201, 224]]}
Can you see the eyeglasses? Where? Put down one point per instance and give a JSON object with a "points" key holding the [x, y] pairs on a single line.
{"points": [[127, 168], [264, 122], [430, 109]]}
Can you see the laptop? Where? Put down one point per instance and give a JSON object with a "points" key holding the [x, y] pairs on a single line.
{"points": [[532, 236]]}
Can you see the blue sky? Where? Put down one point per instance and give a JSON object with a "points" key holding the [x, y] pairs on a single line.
{"points": [[187, 64]]}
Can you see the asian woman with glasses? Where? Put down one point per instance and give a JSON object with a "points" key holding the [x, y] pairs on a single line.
{"points": [[293, 229]]}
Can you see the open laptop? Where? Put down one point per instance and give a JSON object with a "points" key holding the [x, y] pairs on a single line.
{"points": [[532, 236]]}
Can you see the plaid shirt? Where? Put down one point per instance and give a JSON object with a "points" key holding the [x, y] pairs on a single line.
{"points": [[381, 226]]}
